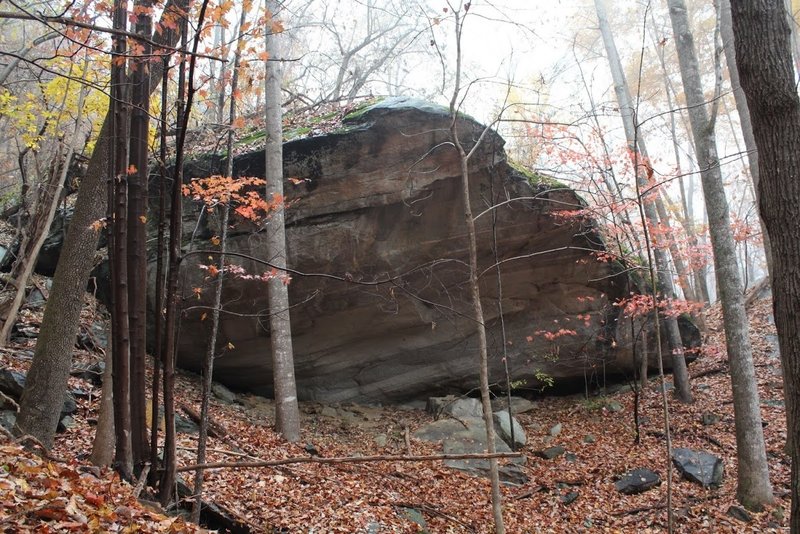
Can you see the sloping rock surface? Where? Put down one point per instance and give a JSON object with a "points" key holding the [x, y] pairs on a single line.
{"points": [[382, 312]]}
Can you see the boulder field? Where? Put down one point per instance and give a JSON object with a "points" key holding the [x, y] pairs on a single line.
{"points": [[380, 299]]}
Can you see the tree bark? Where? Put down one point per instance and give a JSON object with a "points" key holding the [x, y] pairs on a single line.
{"points": [[764, 58], [643, 170], [47, 379], [137, 234], [754, 489], [287, 412], [103, 445]]}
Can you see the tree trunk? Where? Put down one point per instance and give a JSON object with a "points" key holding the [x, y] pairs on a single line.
{"points": [[103, 445], [137, 235], [475, 292], [754, 489], [118, 245], [47, 379], [208, 363], [287, 412], [643, 170], [764, 58]]}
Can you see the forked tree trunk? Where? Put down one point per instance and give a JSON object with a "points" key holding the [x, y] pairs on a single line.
{"points": [[754, 489]]}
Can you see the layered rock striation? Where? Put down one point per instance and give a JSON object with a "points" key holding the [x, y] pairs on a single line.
{"points": [[381, 311]]}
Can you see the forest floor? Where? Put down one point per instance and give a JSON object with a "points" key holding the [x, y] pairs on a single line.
{"points": [[69, 495]]}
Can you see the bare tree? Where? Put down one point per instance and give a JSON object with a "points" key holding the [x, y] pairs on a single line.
{"points": [[754, 489], [287, 412]]}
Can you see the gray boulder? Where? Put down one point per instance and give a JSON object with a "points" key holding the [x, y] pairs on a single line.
{"points": [[453, 406], [701, 467], [637, 481]]}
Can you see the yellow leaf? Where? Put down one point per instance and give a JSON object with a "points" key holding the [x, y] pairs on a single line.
{"points": [[203, 317], [216, 241], [143, 218], [230, 346]]}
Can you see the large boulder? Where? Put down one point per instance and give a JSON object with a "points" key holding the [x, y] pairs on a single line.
{"points": [[382, 311]]}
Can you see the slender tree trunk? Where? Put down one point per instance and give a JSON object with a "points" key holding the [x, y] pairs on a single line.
{"points": [[137, 234], [763, 55], [754, 488], [287, 412], [118, 227], [643, 170], [47, 379], [208, 364], [475, 292]]}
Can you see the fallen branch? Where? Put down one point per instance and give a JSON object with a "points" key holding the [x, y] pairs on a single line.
{"points": [[633, 511], [348, 460], [713, 371]]}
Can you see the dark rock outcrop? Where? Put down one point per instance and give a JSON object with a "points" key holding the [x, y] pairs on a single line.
{"points": [[381, 311]]}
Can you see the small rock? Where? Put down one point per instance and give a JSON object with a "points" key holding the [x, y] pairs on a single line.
{"points": [[12, 383], [698, 466], [223, 393], [637, 481], [709, 418], [329, 411], [551, 452], [570, 497], [614, 406], [65, 423], [415, 516], [381, 440], [185, 426], [739, 513], [518, 404], [571, 457], [455, 407], [588, 438], [70, 406], [503, 422], [7, 419], [556, 430]]}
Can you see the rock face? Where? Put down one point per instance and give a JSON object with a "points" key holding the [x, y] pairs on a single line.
{"points": [[381, 312]]}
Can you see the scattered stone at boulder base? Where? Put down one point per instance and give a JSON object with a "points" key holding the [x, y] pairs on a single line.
{"points": [[698, 466], [12, 383], [65, 423], [185, 426], [555, 430], [224, 394], [311, 449], [412, 406], [637, 481], [570, 497], [91, 372], [614, 406], [381, 440], [739, 513], [518, 404], [709, 418], [551, 452], [453, 406], [380, 199], [772, 403], [668, 386], [571, 457], [80, 393], [70, 406], [7, 419], [588, 438], [329, 411], [25, 331], [260, 409], [503, 423], [415, 516], [93, 339], [35, 298], [468, 436]]}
